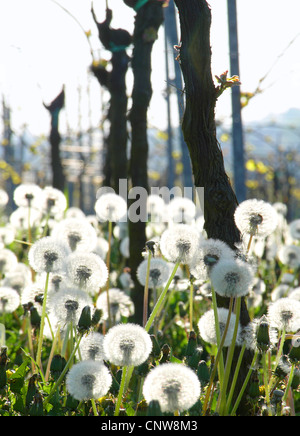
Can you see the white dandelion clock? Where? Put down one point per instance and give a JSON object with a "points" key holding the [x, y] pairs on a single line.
{"points": [[180, 243], [207, 326], [53, 201], [174, 385], [256, 217], [88, 380], [86, 271], [67, 305], [127, 344], [110, 207], [294, 294], [284, 314], [22, 217], [181, 210], [120, 304], [9, 299], [48, 255], [33, 294], [8, 261], [289, 255], [4, 198], [159, 272], [232, 278], [78, 233], [7, 235], [210, 251], [294, 229], [28, 195], [91, 347]]}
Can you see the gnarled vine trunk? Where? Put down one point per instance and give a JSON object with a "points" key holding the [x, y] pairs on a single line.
{"points": [[199, 129]]}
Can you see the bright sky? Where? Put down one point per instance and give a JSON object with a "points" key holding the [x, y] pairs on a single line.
{"points": [[42, 47]]}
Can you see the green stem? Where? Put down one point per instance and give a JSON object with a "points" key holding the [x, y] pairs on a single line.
{"points": [[94, 407], [288, 386], [219, 354], [40, 344], [237, 402], [236, 372], [108, 268], [161, 298], [121, 391], [146, 290], [266, 383], [191, 305], [230, 357], [63, 373]]}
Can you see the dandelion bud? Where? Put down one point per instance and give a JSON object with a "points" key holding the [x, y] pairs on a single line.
{"points": [[203, 373], [155, 347], [37, 407], [85, 320], [96, 317], [277, 396], [191, 345], [31, 391], [294, 354], [262, 334], [154, 408], [3, 363], [35, 318], [194, 359], [57, 365]]}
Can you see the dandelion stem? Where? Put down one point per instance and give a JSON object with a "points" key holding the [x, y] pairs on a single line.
{"points": [[121, 390], [63, 373], [161, 298], [108, 268], [288, 386], [191, 305], [230, 356], [94, 407], [237, 402], [266, 383], [146, 290], [236, 372], [218, 357], [40, 344]]}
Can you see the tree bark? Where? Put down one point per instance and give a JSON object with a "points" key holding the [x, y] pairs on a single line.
{"points": [[199, 129], [115, 40], [58, 178], [148, 19]]}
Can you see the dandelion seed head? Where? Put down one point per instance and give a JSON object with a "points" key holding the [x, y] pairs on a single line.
{"points": [[120, 304], [158, 274], [294, 229], [256, 217], [27, 194], [110, 207], [78, 233], [91, 347], [127, 344], [88, 380], [48, 255], [232, 278], [9, 299], [181, 210], [210, 251], [289, 255], [8, 261], [175, 386], [53, 201], [68, 304], [180, 243], [87, 271], [19, 218], [284, 313], [207, 326]]}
